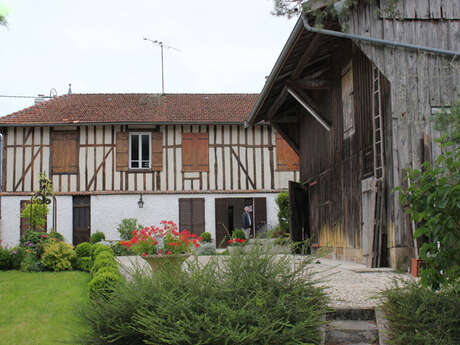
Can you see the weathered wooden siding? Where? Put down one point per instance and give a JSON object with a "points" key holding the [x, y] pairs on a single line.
{"points": [[419, 81], [240, 159], [420, 9]]}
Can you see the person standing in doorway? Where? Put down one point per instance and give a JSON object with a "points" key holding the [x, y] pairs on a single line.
{"points": [[247, 222]]}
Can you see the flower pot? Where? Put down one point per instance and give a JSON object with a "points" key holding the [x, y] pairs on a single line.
{"points": [[171, 262], [415, 267], [234, 249]]}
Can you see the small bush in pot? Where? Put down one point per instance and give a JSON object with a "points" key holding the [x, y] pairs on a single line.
{"points": [[206, 237], [98, 236], [126, 228]]}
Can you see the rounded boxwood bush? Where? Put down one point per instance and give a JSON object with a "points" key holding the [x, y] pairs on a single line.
{"points": [[99, 247], [97, 237], [102, 261], [111, 269], [103, 284], [83, 250], [84, 263]]}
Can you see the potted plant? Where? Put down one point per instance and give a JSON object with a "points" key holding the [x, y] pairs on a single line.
{"points": [[163, 246]]}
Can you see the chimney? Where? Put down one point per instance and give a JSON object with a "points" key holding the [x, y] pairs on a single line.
{"points": [[70, 89]]}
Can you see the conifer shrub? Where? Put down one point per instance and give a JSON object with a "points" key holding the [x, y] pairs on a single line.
{"points": [[102, 285], [84, 263], [245, 299], [98, 248]]}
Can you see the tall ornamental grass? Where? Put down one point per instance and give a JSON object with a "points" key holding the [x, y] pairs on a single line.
{"points": [[247, 298]]}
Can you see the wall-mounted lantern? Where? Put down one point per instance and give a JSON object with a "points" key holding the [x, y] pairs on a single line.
{"points": [[140, 203]]}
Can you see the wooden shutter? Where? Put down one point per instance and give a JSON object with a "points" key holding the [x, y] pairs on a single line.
{"points": [[122, 151], [157, 151], [286, 158], [221, 221], [195, 152], [191, 215], [64, 152]]}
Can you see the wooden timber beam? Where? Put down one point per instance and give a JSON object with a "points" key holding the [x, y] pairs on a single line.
{"points": [[318, 84], [277, 104], [286, 137], [310, 109], [306, 57]]}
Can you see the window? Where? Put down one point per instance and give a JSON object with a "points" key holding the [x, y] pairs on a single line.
{"points": [[286, 158], [195, 152], [140, 150], [348, 102], [64, 152]]}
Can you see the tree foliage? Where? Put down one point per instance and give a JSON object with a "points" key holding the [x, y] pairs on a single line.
{"points": [[282, 200]]}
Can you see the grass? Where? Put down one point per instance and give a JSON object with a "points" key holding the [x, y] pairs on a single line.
{"points": [[39, 308]]}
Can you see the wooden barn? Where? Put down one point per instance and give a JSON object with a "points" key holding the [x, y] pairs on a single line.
{"points": [[354, 99], [186, 157]]}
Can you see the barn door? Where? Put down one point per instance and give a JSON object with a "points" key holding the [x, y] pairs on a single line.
{"points": [[81, 219], [260, 214], [191, 215], [298, 212]]}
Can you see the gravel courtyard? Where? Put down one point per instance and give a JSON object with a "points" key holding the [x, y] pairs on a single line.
{"points": [[350, 285]]}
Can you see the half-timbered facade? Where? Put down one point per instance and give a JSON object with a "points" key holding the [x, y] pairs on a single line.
{"points": [[188, 157], [355, 104]]}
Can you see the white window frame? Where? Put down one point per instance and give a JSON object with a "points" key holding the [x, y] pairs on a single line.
{"points": [[140, 150]]}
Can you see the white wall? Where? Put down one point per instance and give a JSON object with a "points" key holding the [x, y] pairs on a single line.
{"points": [[107, 211]]}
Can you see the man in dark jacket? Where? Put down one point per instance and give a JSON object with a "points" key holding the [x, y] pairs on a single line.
{"points": [[247, 222]]}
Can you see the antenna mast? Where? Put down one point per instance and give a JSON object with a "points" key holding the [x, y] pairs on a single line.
{"points": [[161, 44]]}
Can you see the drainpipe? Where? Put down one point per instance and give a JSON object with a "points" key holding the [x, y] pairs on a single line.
{"points": [[378, 40]]}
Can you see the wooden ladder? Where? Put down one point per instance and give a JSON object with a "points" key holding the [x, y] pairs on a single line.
{"points": [[379, 170]]}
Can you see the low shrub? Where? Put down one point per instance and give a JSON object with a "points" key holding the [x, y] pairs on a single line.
{"points": [[55, 235], [97, 237], [84, 263], [207, 248], [17, 255], [57, 256], [83, 250], [111, 269], [255, 298], [5, 259], [126, 228], [420, 316], [205, 237], [31, 263], [102, 285], [98, 248], [34, 241]]}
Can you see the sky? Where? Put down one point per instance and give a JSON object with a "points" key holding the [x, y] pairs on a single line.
{"points": [[98, 47]]}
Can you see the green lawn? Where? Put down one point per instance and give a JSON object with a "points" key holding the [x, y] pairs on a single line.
{"points": [[39, 308]]}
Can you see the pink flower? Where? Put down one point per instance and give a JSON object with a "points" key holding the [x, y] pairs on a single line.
{"points": [[144, 254], [43, 236]]}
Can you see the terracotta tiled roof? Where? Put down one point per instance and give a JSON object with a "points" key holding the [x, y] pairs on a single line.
{"points": [[136, 108]]}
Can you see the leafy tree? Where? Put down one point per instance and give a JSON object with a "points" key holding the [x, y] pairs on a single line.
{"points": [[282, 200], [39, 214], [433, 202]]}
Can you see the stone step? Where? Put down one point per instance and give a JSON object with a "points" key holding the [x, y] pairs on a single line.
{"points": [[351, 332], [363, 314]]}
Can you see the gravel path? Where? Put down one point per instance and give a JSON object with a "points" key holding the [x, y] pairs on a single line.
{"points": [[349, 285]]}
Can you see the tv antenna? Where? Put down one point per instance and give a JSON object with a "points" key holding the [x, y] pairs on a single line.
{"points": [[162, 45]]}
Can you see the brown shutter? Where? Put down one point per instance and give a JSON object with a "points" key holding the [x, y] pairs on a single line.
{"points": [[221, 219], [157, 151], [202, 151], [191, 215], [64, 152], [187, 152], [122, 151], [198, 220], [286, 158], [195, 152]]}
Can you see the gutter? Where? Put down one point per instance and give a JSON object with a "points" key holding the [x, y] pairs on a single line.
{"points": [[378, 40], [38, 124]]}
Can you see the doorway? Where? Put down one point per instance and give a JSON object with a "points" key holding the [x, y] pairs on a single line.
{"points": [[81, 219]]}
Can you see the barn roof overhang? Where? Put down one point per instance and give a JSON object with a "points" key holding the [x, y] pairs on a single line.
{"points": [[302, 66]]}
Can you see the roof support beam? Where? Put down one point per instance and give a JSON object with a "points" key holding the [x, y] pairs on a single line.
{"points": [[310, 109], [277, 104], [286, 137], [306, 57]]}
